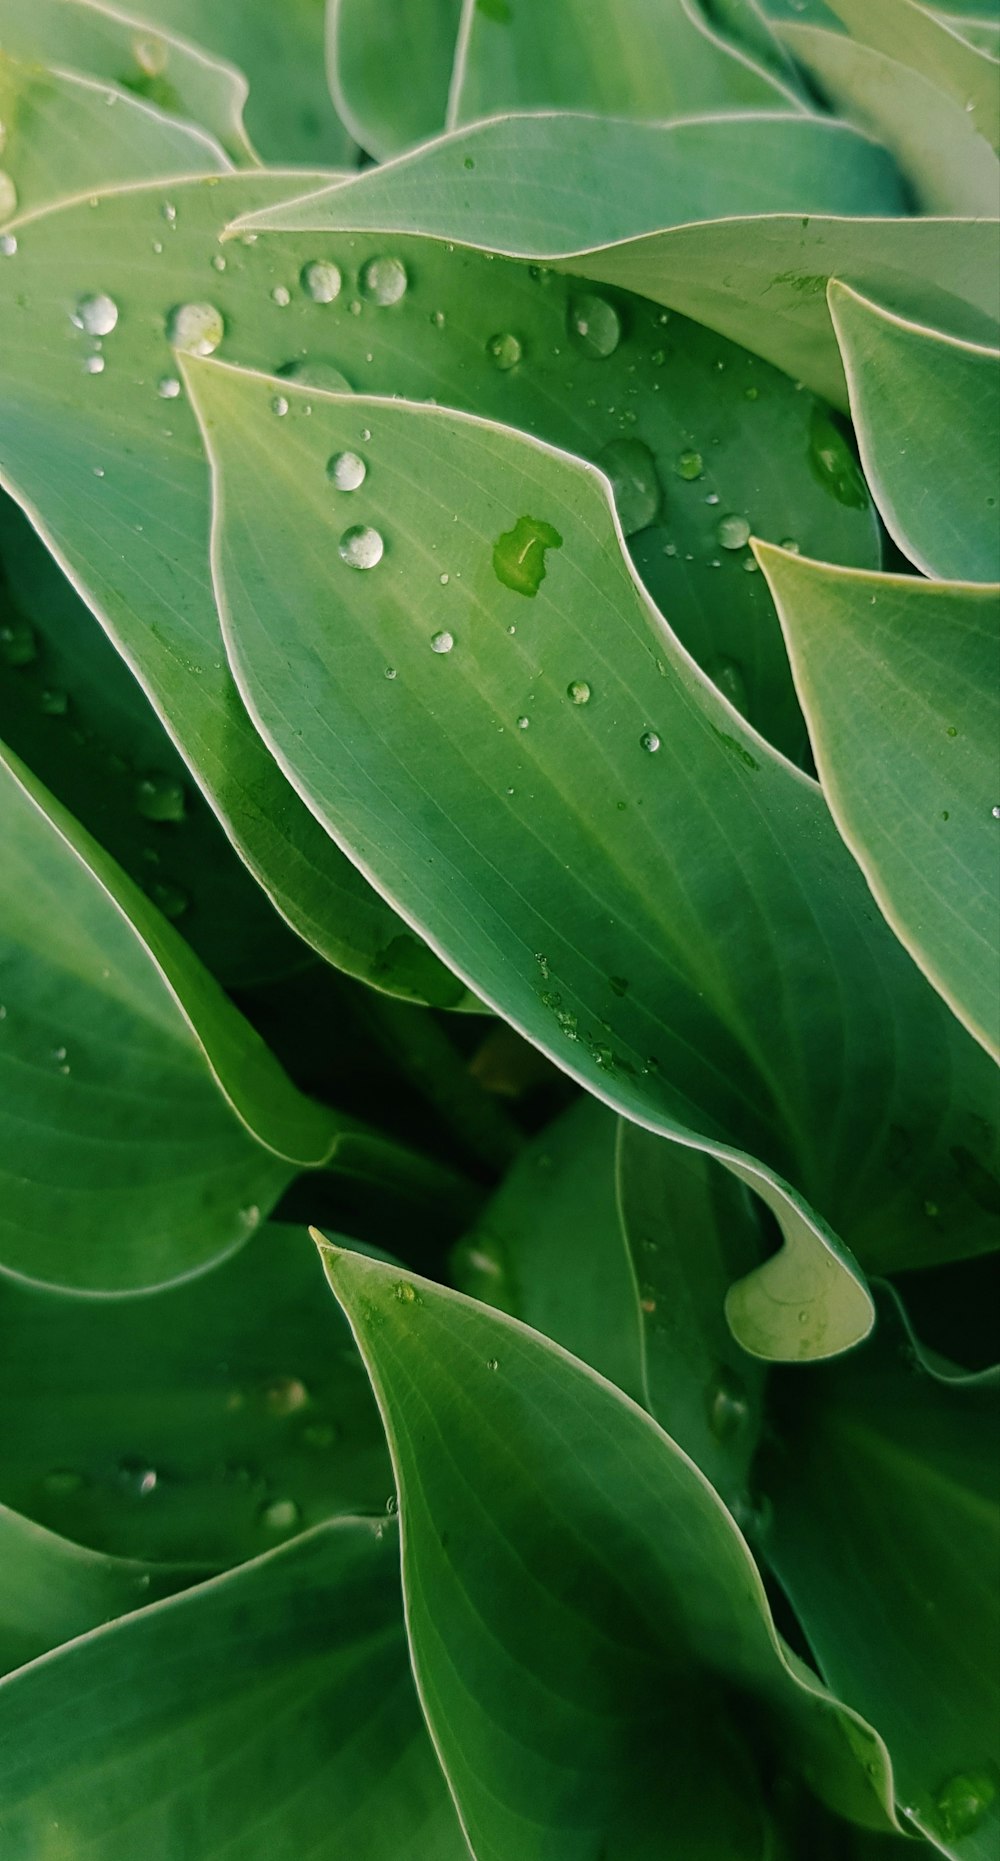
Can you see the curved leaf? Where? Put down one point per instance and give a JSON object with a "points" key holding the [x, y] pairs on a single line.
{"points": [[926, 410], [115, 1040], [206, 1421], [634, 947], [897, 680], [578, 1600], [300, 1734], [919, 38], [390, 68]]}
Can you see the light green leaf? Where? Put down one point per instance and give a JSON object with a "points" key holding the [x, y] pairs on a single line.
{"points": [[950, 168], [267, 1712], [118, 47], [670, 984], [63, 139], [637, 58], [118, 1050], [549, 1247], [926, 411], [897, 679], [921, 39], [206, 1421], [539, 186], [110, 469], [51, 1591], [692, 1229], [390, 68], [578, 1599], [886, 1536]]}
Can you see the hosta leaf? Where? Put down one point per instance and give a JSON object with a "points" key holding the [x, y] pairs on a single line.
{"points": [[111, 472], [118, 47], [578, 1599], [926, 411], [692, 1229], [678, 909], [535, 186], [63, 139], [950, 167], [897, 680], [549, 1247], [206, 1421], [636, 58], [390, 68], [919, 38], [269, 1711], [119, 1052], [70, 708], [51, 1591], [886, 1535]]}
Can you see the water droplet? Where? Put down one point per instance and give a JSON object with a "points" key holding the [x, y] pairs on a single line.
{"points": [[519, 554], [96, 313], [94, 365], [250, 1216], [732, 531], [317, 374], [492, 1363], [594, 325], [442, 642], [281, 296], [279, 1515], [996, 813], [523, 722], [18, 646], [712, 498], [54, 702], [649, 741], [319, 1434], [8, 196], [690, 465], [390, 672], [632, 470], [321, 280], [150, 54], [8, 245], [346, 470], [384, 280], [62, 1482], [951, 731], [789, 543], [137, 1478], [438, 319], [218, 262], [833, 464], [405, 1293], [198, 329], [962, 1802], [728, 1406], [361, 547], [578, 691], [279, 405], [168, 387], [391, 1504], [285, 1395], [160, 798], [170, 899], [505, 349]]}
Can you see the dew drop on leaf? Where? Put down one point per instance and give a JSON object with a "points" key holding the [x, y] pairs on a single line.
{"points": [[198, 329], [519, 554], [285, 1395], [279, 1515], [94, 365], [833, 464], [728, 1406], [170, 899], [160, 798], [361, 547], [8, 195], [632, 470], [578, 691], [962, 1802], [346, 471], [54, 702], [728, 676], [732, 531], [96, 313], [137, 1478], [168, 387], [279, 405], [321, 280], [505, 350], [649, 741], [593, 325], [384, 280], [317, 374], [281, 296], [442, 642], [8, 245], [690, 465], [18, 646]]}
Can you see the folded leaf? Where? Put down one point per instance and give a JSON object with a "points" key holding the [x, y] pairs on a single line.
{"points": [[921, 39], [897, 680], [390, 68], [926, 410], [267, 1712]]}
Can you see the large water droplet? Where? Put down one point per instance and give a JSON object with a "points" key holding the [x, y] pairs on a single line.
{"points": [[442, 642], [198, 329], [317, 374], [279, 1515], [96, 313], [8, 196], [632, 470], [593, 324], [649, 741], [578, 692], [346, 470], [505, 350], [962, 1802], [732, 531], [728, 1406], [361, 547], [690, 465], [160, 798], [384, 280], [279, 405], [321, 280], [519, 554]]}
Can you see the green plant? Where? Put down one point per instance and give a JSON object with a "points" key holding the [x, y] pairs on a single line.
{"points": [[446, 533]]}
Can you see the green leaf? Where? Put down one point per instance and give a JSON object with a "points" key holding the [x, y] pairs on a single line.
{"points": [[926, 410], [119, 1051], [205, 1422], [549, 1246], [578, 1599], [536, 186], [390, 68], [691, 1230], [51, 1591], [635, 58], [267, 1712], [896, 678], [119, 48], [926, 43], [949, 166], [886, 1536], [686, 900], [110, 470], [63, 139]]}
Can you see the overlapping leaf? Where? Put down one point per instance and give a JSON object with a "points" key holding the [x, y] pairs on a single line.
{"points": [[390, 68]]}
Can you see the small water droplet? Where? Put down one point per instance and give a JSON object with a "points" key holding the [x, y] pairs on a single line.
{"points": [[8, 245], [18, 646], [728, 1406], [150, 54], [578, 691], [833, 464], [732, 531], [361, 547], [728, 676], [390, 672], [137, 1478], [505, 350], [492, 1363], [438, 319], [54, 702], [442, 642], [169, 898], [523, 722], [317, 374], [281, 296], [632, 470], [649, 741], [391, 1504], [405, 1293], [689, 465], [94, 365], [218, 262], [321, 280], [712, 498], [96, 313], [594, 325], [169, 212], [346, 470], [160, 798], [790, 543], [962, 1802], [168, 387], [279, 1515], [319, 1435], [519, 554], [996, 813], [198, 329], [285, 1395], [951, 731], [384, 280], [279, 405], [8, 196]]}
